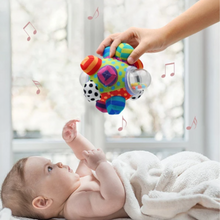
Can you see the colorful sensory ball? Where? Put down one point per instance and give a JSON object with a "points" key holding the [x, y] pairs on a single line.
{"points": [[111, 81]]}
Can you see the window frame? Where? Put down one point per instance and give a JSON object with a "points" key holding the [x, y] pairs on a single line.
{"points": [[94, 34], [194, 74]]}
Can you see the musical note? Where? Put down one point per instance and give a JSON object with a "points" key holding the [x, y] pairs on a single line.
{"points": [[91, 17], [121, 128], [37, 84], [194, 121], [173, 73], [35, 31]]}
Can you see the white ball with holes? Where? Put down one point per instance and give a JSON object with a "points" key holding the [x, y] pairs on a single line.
{"points": [[91, 91], [138, 95]]}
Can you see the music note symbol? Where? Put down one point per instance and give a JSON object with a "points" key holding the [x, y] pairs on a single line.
{"points": [[37, 84], [35, 31], [194, 121], [91, 17], [173, 73], [121, 128]]}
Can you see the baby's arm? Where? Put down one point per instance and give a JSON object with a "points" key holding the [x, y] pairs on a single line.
{"points": [[78, 144], [111, 197], [75, 140]]}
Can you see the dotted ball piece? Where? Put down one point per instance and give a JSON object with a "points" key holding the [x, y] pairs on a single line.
{"points": [[138, 95], [91, 91]]}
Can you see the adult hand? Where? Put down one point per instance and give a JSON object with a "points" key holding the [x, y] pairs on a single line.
{"points": [[143, 40]]}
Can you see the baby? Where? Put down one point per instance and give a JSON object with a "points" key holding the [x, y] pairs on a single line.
{"points": [[37, 188]]}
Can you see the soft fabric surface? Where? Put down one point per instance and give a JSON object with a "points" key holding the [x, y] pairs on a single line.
{"points": [[183, 186], [5, 214]]}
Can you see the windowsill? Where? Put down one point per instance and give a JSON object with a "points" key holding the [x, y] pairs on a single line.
{"points": [[143, 140], [30, 145]]}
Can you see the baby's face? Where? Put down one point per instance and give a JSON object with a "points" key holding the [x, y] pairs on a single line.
{"points": [[55, 181]]}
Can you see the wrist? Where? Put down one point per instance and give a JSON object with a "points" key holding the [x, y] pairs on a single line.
{"points": [[166, 32], [101, 164], [76, 136]]}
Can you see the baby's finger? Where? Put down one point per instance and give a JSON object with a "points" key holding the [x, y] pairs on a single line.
{"points": [[91, 152], [66, 133], [73, 121], [85, 153], [100, 150]]}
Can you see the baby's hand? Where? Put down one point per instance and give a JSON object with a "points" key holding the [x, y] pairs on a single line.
{"points": [[93, 158], [69, 131]]}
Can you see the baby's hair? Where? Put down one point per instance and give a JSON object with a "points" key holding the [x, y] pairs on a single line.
{"points": [[16, 195]]}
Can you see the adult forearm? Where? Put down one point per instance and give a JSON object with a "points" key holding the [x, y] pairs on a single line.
{"points": [[201, 15]]}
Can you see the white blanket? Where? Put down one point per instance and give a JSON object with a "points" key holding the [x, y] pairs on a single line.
{"points": [[184, 186], [5, 214]]}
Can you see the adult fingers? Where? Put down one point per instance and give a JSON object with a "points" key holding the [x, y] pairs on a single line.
{"points": [[136, 53], [123, 37], [105, 43], [114, 45]]}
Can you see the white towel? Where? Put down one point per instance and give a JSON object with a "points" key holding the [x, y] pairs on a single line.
{"points": [[183, 186], [5, 214]]}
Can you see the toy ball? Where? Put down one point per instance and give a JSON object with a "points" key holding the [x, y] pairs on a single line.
{"points": [[109, 82], [91, 91]]}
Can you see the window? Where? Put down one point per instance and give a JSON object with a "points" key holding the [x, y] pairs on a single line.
{"points": [[45, 70], [47, 48], [159, 113], [156, 122]]}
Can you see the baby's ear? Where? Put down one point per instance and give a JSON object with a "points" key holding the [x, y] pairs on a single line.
{"points": [[41, 202]]}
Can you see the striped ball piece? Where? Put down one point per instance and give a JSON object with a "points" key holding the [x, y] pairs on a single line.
{"points": [[107, 75], [101, 106], [138, 64], [106, 52], [91, 64], [123, 51], [115, 105]]}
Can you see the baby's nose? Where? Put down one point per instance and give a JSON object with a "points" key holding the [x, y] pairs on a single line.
{"points": [[60, 165]]}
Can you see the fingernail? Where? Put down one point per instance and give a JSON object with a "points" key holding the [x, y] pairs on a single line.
{"points": [[130, 60]]}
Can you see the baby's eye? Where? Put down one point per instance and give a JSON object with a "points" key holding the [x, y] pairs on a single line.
{"points": [[49, 168]]}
